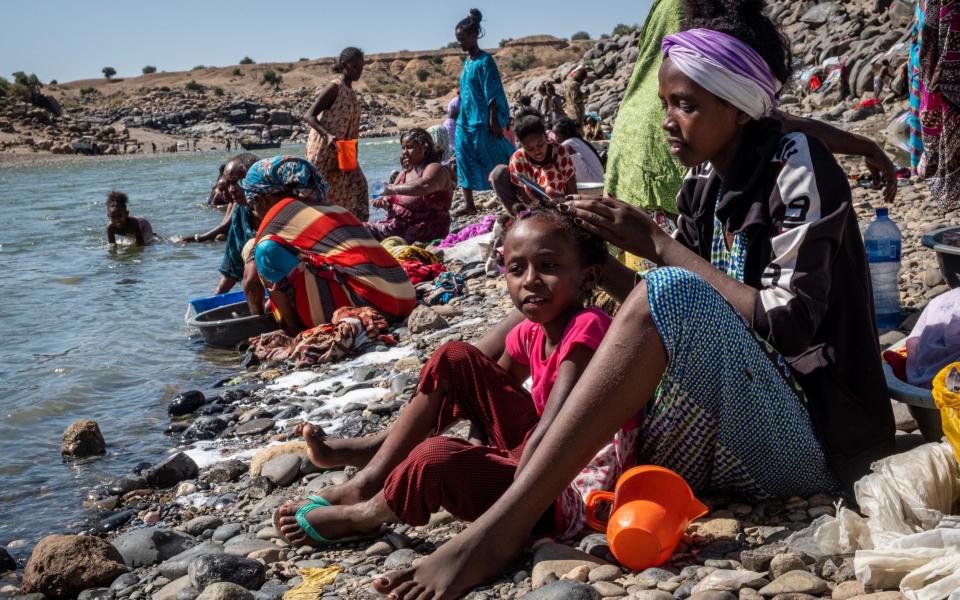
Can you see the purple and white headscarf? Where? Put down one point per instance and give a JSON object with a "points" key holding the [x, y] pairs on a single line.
{"points": [[725, 67]]}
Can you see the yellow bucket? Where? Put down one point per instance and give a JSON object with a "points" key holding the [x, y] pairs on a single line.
{"points": [[949, 404]]}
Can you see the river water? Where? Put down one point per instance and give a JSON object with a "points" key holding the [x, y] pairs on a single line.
{"points": [[99, 333]]}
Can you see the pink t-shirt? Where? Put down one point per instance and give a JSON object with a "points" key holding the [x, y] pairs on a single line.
{"points": [[525, 345]]}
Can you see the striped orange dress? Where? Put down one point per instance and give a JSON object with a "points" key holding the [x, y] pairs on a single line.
{"points": [[341, 264]]}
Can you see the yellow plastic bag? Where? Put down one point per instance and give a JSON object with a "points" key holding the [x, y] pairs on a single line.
{"points": [[949, 404], [313, 581]]}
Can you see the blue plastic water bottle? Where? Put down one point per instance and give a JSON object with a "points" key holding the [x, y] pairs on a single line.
{"points": [[377, 190], [883, 241]]}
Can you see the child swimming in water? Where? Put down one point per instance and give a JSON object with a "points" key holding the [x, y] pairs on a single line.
{"points": [[121, 223]]}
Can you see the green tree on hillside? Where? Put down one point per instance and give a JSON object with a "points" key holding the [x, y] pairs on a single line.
{"points": [[108, 72], [622, 29], [31, 81], [149, 69], [580, 35], [246, 60], [422, 75], [270, 77]]}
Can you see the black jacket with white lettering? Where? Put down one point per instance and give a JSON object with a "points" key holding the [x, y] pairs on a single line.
{"points": [[806, 257]]}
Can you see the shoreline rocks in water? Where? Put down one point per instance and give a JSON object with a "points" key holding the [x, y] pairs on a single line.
{"points": [[82, 439]]}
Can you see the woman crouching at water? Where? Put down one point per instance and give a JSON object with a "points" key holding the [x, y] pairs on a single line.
{"points": [[418, 202], [752, 352], [411, 471], [313, 259]]}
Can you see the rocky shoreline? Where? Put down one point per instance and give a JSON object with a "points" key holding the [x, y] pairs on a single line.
{"points": [[179, 524]]}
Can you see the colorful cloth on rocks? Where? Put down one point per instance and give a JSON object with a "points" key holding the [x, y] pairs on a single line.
{"points": [[484, 225], [284, 175], [347, 188], [338, 263], [640, 169], [419, 272], [554, 173], [349, 329], [940, 101], [478, 150]]}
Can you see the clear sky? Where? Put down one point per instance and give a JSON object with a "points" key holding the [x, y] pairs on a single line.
{"points": [[68, 40]]}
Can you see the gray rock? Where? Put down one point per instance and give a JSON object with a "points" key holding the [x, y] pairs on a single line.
{"points": [[226, 471], [214, 568], [656, 574], [198, 525], [171, 471], [124, 581], [225, 591], [380, 548], [185, 403], [652, 595], [604, 573], [244, 544], [282, 470], [795, 582], [564, 590], [176, 566], [685, 589], [227, 531], [170, 591], [203, 428], [254, 427], [82, 439], [423, 318], [399, 559], [713, 595], [7, 563], [271, 590], [188, 593], [96, 594], [608, 589], [784, 563], [146, 547], [596, 544], [758, 559]]}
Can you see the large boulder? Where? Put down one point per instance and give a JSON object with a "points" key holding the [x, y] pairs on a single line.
{"points": [[172, 471], [213, 568], [146, 547], [82, 439], [62, 566]]}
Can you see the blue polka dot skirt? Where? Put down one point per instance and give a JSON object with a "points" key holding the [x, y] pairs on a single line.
{"points": [[728, 414]]}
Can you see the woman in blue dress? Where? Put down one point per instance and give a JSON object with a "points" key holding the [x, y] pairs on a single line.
{"points": [[484, 114]]}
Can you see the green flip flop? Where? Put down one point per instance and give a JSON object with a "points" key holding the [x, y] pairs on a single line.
{"points": [[313, 534]]}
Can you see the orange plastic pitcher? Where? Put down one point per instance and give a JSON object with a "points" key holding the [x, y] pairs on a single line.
{"points": [[347, 154], [651, 508]]}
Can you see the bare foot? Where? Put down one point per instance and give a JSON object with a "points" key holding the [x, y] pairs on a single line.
{"points": [[465, 211], [334, 522], [468, 560]]}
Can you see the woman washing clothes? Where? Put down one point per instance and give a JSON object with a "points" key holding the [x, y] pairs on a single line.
{"points": [[484, 114], [313, 259], [418, 202], [751, 352], [334, 117]]}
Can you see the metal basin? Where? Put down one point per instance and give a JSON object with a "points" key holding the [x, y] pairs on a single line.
{"points": [[948, 256]]}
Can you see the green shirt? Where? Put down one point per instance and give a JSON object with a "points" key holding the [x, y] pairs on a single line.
{"points": [[640, 169]]}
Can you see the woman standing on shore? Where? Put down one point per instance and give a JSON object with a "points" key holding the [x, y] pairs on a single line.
{"points": [[335, 117], [484, 114]]}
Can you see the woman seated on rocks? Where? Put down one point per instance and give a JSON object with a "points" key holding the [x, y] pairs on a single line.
{"points": [[313, 259], [410, 472], [418, 201], [751, 352], [585, 159], [544, 162]]}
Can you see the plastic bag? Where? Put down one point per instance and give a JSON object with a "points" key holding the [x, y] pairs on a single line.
{"points": [[727, 581], [949, 404], [939, 578]]}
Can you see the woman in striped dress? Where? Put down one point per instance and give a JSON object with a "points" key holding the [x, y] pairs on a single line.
{"points": [[315, 259]]}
